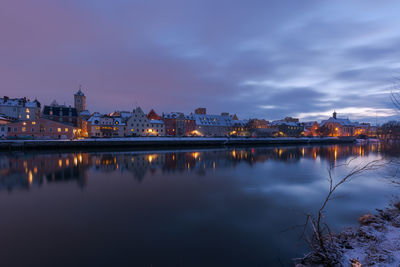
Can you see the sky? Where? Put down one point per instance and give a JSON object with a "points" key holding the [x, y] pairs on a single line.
{"points": [[257, 58]]}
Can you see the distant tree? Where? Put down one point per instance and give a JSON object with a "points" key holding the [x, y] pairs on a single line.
{"points": [[395, 97], [390, 130]]}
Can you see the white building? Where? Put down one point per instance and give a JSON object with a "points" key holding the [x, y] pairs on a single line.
{"points": [[19, 108], [214, 125], [100, 125], [139, 125]]}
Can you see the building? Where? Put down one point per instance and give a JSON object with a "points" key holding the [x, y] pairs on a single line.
{"points": [[179, 124], [240, 128], [139, 125], [200, 111], [153, 115], [41, 128], [311, 128], [257, 124], [19, 108], [213, 125], [100, 125], [3, 126], [287, 127], [80, 101], [61, 113], [338, 127]]}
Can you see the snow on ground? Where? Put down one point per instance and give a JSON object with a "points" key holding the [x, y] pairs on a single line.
{"points": [[376, 242]]}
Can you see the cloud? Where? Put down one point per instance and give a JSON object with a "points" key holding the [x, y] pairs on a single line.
{"points": [[267, 59]]}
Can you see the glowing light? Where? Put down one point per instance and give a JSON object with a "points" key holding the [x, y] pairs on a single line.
{"points": [[35, 170], [75, 161], [60, 163], [234, 153], [30, 177], [195, 155], [80, 158], [67, 162]]}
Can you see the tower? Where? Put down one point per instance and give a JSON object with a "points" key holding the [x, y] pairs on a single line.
{"points": [[334, 114], [80, 100]]}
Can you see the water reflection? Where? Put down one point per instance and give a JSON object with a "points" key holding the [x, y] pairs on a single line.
{"points": [[23, 171], [216, 207]]}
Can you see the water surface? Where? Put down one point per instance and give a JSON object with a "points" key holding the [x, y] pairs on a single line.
{"points": [[218, 207]]}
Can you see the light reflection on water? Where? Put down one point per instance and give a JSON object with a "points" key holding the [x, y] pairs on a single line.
{"points": [[219, 207]]}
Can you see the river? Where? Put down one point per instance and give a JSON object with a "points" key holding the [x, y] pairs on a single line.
{"points": [[202, 207]]}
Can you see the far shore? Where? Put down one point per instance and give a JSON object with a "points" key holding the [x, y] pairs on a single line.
{"points": [[164, 142]]}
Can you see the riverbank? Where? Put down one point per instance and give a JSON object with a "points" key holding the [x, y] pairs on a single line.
{"points": [[376, 242], [162, 142]]}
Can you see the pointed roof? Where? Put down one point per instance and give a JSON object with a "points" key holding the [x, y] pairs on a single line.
{"points": [[153, 115], [79, 93]]}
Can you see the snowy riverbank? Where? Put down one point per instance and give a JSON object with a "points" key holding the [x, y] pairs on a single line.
{"points": [[160, 142], [375, 242]]}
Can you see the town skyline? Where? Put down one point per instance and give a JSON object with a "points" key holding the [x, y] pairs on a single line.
{"points": [[261, 59], [342, 113]]}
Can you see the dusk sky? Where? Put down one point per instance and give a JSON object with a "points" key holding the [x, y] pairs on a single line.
{"points": [[257, 58]]}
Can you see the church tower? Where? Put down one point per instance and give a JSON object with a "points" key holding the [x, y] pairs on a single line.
{"points": [[80, 100]]}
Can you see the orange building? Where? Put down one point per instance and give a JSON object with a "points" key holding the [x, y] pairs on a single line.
{"points": [[41, 129]]}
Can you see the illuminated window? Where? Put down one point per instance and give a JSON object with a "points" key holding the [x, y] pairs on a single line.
{"points": [[66, 129], [27, 110], [23, 129], [24, 123], [33, 122], [59, 130], [27, 116]]}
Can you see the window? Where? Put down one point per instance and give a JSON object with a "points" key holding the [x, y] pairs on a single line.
{"points": [[33, 122], [66, 130], [23, 129], [59, 130], [51, 129], [51, 112], [27, 110]]}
